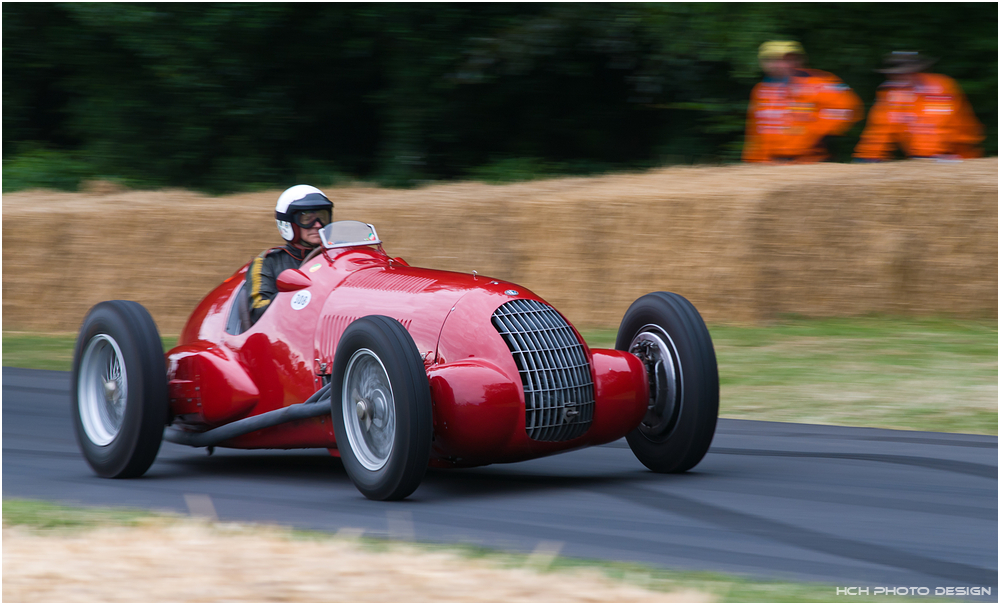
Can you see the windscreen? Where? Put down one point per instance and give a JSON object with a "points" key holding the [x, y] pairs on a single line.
{"points": [[349, 233]]}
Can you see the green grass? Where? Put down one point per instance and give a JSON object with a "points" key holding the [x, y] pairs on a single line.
{"points": [[916, 374], [47, 351], [46, 517]]}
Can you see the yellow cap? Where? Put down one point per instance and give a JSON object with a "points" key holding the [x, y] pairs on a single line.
{"points": [[775, 49]]}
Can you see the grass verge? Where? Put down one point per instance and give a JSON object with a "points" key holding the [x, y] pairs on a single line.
{"points": [[899, 373], [43, 519], [41, 515], [913, 374], [47, 351]]}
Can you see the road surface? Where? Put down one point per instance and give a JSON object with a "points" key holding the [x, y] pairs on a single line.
{"points": [[841, 506]]}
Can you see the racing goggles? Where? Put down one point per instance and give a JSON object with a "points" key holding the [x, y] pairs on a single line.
{"points": [[307, 218]]}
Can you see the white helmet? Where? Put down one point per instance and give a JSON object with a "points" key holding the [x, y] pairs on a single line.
{"points": [[292, 203]]}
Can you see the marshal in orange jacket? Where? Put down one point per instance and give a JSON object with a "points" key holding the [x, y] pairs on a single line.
{"points": [[787, 121], [929, 117]]}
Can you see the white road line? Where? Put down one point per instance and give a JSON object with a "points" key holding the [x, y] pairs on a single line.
{"points": [[200, 505], [545, 553], [400, 525]]}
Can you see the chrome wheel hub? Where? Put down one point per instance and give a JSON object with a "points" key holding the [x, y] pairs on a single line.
{"points": [[655, 348], [369, 409], [102, 390]]}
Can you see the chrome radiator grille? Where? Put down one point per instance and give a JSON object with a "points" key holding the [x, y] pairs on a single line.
{"points": [[558, 391]]}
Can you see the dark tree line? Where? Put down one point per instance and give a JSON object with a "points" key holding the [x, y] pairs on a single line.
{"points": [[231, 96]]}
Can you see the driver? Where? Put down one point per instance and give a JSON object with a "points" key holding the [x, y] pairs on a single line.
{"points": [[300, 213]]}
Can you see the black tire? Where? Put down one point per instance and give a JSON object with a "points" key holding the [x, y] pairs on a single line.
{"points": [[119, 414], [384, 438], [684, 387]]}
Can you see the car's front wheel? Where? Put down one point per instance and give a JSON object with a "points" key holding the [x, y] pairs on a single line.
{"points": [[667, 333], [119, 394], [381, 407]]}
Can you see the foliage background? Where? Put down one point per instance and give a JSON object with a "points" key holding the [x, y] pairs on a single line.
{"points": [[226, 97]]}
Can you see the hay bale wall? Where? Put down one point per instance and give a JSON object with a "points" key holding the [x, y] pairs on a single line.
{"points": [[744, 243]]}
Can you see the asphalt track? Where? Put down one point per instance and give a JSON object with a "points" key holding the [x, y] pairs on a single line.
{"points": [[837, 505]]}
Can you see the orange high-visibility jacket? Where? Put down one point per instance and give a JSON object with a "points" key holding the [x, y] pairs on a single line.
{"points": [[787, 121], [932, 118]]}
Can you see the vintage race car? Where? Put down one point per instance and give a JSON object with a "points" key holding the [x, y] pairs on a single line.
{"points": [[394, 369]]}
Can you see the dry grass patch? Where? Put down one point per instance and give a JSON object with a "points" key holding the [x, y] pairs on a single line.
{"points": [[59, 553], [189, 561]]}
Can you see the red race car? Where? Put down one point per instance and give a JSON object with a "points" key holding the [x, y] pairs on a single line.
{"points": [[392, 368]]}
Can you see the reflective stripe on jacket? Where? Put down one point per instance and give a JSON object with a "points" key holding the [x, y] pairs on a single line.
{"points": [[932, 118], [789, 120], [262, 276]]}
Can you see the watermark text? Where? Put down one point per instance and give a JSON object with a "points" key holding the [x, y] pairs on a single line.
{"points": [[915, 591]]}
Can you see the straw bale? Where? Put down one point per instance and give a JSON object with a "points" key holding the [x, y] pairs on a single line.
{"points": [[744, 243]]}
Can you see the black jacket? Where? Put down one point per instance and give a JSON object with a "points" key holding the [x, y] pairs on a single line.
{"points": [[262, 276]]}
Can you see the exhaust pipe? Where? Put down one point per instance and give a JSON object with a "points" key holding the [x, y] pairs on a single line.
{"points": [[311, 408]]}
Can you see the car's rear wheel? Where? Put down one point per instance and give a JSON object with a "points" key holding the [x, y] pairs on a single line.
{"points": [[119, 395], [381, 407], [666, 332]]}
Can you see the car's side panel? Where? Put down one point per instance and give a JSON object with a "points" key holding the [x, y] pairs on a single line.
{"points": [[414, 297], [275, 356], [476, 388], [208, 320], [208, 385]]}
